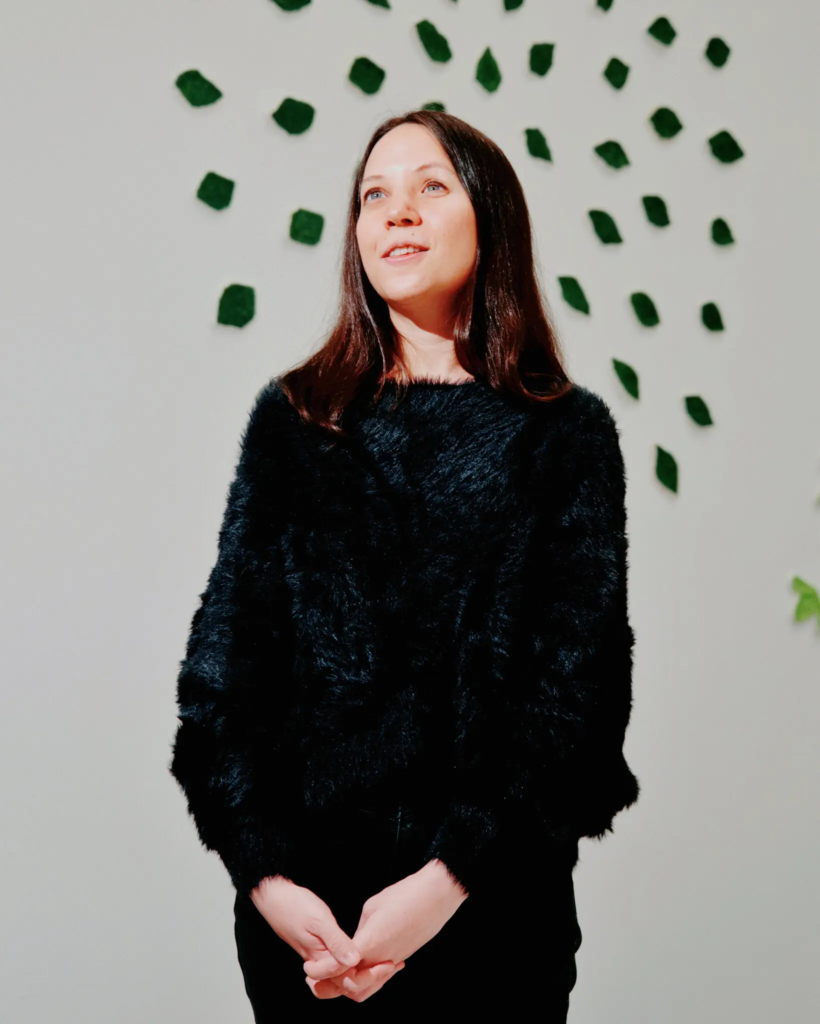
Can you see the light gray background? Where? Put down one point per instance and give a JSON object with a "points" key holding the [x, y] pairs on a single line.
{"points": [[123, 401]]}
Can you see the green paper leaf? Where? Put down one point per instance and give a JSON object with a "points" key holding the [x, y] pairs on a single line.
{"points": [[237, 305], [433, 42], [809, 603], [698, 410], [294, 116], [612, 153], [710, 315], [725, 148], [306, 227], [215, 190], [366, 75], [645, 309], [573, 294], [717, 51], [627, 376], [666, 469], [656, 211], [380, 3], [291, 5], [662, 30], [802, 587], [604, 4], [487, 72], [541, 55], [721, 232], [433, 105], [513, 5], [605, 227], [616, 73], [537, 144], [196, 89], [666, 122]]}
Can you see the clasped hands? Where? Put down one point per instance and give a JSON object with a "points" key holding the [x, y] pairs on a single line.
{"points": [[394, 923]]}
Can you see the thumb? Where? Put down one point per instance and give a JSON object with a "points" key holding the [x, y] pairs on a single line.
{"points": [[340, 946]]}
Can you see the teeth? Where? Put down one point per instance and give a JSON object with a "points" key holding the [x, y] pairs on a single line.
{"points": [[403, 250]]}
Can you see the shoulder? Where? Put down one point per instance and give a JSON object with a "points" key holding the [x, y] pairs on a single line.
{"points": [[578, 439], [582, 409], [271, 418], [270, 407], [577, 419]]}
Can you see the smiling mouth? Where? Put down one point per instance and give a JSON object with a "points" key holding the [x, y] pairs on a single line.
{"points": [[405, 257]]}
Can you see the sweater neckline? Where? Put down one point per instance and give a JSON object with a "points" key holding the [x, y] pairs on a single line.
{"points": [[431, 382]]}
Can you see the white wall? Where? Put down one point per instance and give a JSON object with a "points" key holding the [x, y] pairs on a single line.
{"points": [[123, 400]]}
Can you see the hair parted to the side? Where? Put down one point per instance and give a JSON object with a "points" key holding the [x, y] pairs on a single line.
{"points": [[503, 331]]}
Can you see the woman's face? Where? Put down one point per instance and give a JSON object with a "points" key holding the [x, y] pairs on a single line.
{"points": [[411, 195]]}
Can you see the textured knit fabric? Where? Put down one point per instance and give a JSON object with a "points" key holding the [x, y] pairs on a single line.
{"points": [[508, 952], [433, 610]]}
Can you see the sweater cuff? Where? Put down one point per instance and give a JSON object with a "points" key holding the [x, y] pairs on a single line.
{"points": [[254, 855], [478, 846]]}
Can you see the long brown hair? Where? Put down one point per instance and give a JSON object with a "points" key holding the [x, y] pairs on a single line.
{"points": [[503, 331]]}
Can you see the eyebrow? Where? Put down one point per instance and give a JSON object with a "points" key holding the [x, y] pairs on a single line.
{"points": [[421, 167]]}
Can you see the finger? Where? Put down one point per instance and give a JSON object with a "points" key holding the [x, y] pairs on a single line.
{"points": [[361, 980], [324, 989], [337, 942], [366, 993], [322, 967]]}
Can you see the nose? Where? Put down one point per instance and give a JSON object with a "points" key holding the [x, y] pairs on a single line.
{"points": [[402, 212]]}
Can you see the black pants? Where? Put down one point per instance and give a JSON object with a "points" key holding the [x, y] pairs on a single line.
{"points": [[510, 951]]}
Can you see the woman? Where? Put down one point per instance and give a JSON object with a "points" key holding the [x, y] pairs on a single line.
{"points": [[407, 685]]}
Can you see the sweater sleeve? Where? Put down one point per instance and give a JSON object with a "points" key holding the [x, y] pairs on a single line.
{"points": [[542, 710], [229, 755]]}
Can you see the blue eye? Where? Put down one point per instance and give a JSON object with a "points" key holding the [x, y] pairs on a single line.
{"points": [[370, 192]]}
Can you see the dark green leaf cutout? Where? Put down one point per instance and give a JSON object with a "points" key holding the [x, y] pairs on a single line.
{"points": [[294, 116], [710, 315], [433, 105], [604, 4], [537, 144], [721, 232], [306, 227], [541, 55], [656, 211], [616, 73], [725, 148], [645, 309], [627, 376], [573, 294], [196, 89], [291, 5], [433, 42], [666, 122], [662, 30], [612, 153], [380, 3], [237, 305], [513, 5], [487, 72], [605, 227], [717, 51], [809, 603], [366, 75], [215, 190], [666, 469], [698, 410]]}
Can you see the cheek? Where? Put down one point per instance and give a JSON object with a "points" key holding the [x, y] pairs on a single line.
{"points": [[463, 239]]}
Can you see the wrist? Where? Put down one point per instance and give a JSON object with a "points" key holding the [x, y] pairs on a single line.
{"points": [[440, 875]]}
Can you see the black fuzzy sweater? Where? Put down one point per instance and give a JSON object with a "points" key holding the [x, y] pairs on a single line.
{"points": [[433, 611]]}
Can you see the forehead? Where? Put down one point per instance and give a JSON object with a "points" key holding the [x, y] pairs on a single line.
{"points": [[403, 149]]}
